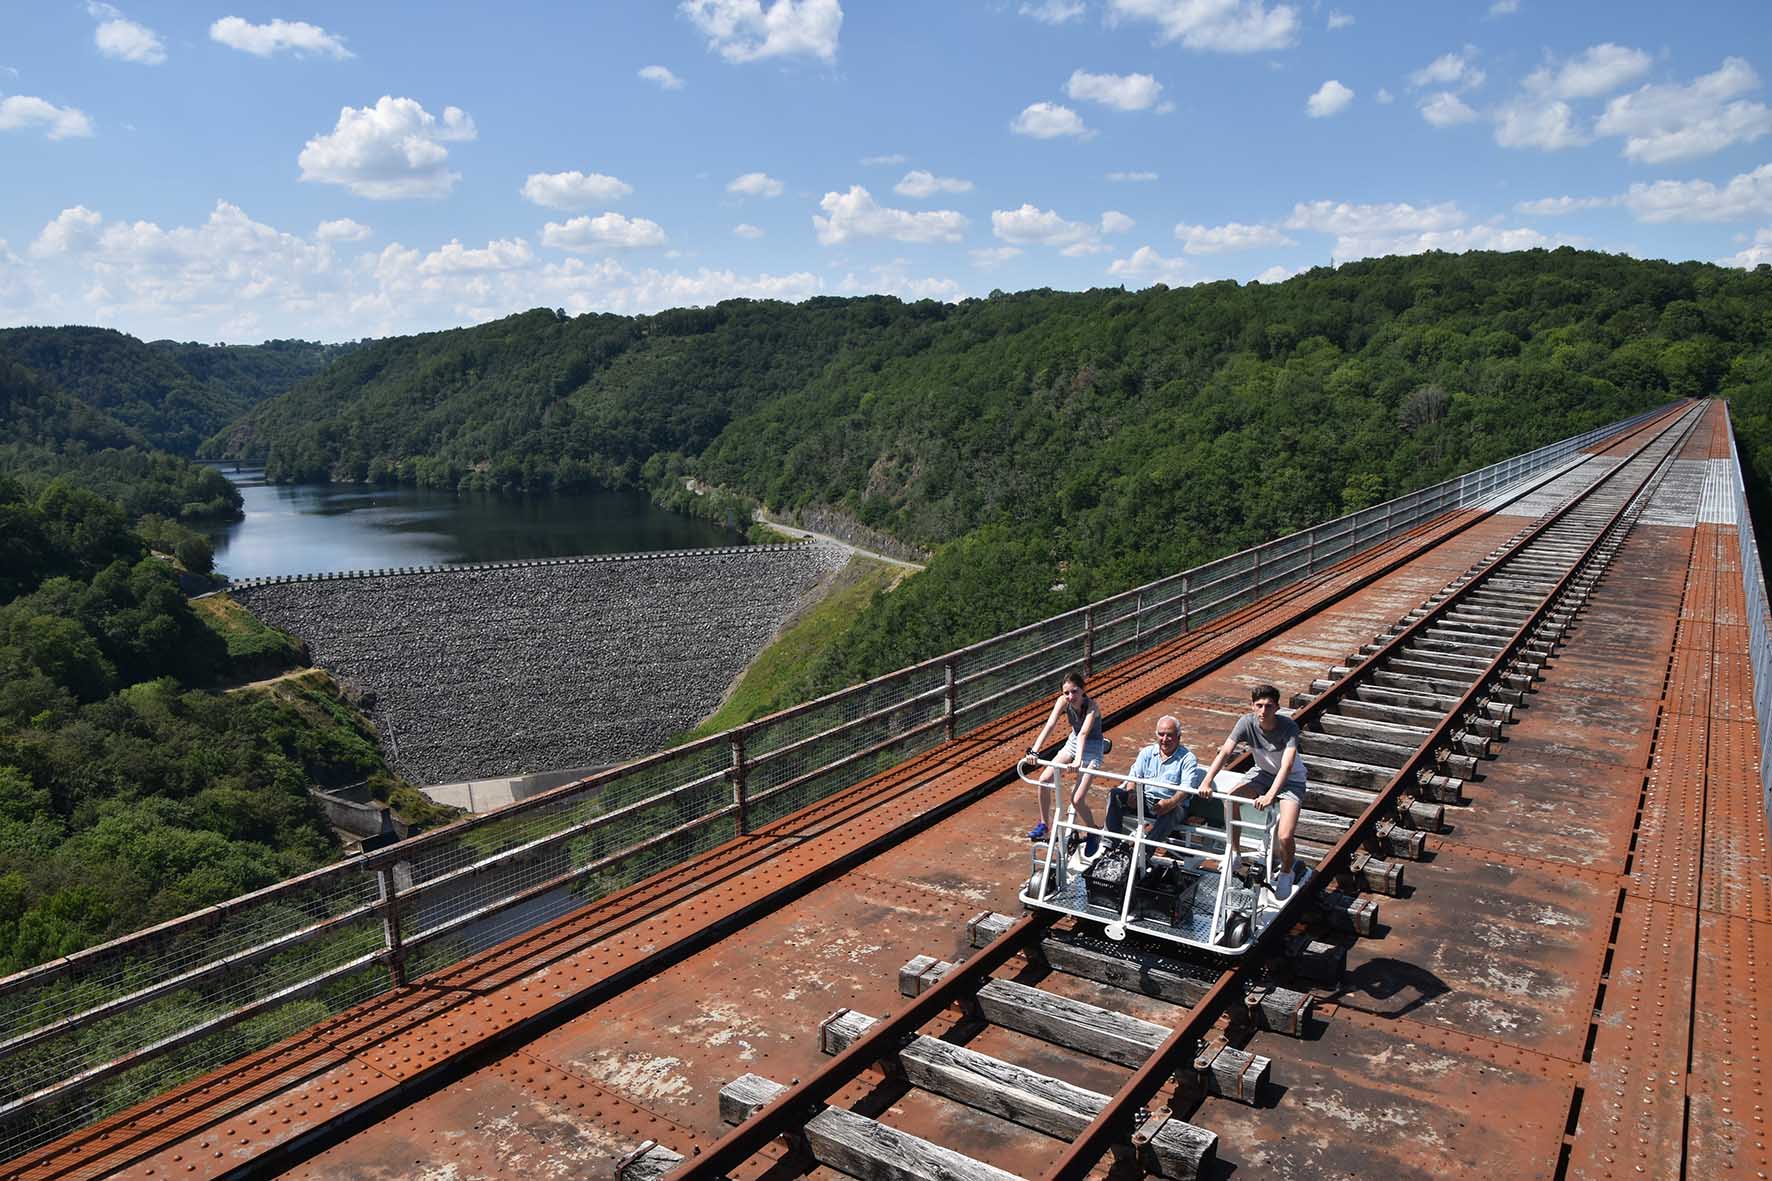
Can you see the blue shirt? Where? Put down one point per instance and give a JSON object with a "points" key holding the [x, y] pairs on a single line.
{"points": [[1180, 768]]}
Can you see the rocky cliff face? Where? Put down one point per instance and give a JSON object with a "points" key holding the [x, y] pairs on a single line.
{"points": [[503, 671]]}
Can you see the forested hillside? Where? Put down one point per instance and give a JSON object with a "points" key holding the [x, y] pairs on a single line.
{"points": [[175, 395], [130, 789], [1053, 447], [46, 432]]}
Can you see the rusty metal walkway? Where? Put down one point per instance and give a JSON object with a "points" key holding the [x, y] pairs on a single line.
{"points": [[1568, 987]]}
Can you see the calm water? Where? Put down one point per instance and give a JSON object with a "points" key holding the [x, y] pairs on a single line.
{"points": [[312, 528]]}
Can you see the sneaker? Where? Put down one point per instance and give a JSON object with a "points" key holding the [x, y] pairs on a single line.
{"points": [[1282, 885], [1039, 832], [1092, 847]]}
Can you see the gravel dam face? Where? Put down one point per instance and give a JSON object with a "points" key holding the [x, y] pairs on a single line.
{"points": [[482, 672]]}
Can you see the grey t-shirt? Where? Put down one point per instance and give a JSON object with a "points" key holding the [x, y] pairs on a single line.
{"points": [[1267, 748]]}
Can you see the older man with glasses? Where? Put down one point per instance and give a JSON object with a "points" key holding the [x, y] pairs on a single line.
{"points": [[1164, 761]]}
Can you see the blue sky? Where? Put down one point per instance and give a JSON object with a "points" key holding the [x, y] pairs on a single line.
{"points": [[333, 171]]}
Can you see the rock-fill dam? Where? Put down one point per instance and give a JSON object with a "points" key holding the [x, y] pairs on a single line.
{"points": [[511, 668]]}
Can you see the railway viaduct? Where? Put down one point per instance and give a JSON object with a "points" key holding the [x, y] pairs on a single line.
{"points": [[1536, 702]]}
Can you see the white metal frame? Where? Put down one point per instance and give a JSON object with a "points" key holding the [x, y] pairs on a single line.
{"points": [[1248, 829]]}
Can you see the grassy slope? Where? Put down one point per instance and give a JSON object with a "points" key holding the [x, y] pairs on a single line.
{"points": [[775, 678]]}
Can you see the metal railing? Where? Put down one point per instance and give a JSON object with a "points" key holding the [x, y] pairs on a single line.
{"points": [[84, 1036], [1759, 625]]}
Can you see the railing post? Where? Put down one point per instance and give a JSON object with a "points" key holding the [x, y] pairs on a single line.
{"points": [[1186, 626], [1388, 509], [1310, 552], [1089, 641], [390, 925], [1137, 620], [951, 700], [736, 772], [1255, 590]]}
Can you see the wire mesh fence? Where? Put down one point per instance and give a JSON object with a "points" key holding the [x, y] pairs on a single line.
{"points": [[84, 1037], [1759, 625]]}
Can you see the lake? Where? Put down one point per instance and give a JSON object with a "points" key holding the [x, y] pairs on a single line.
{"points": [[316, 528]]}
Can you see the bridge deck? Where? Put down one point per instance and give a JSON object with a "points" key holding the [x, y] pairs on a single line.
{"points": [[1567, 988]]}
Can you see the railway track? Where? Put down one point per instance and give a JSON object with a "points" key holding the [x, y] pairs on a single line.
{"points": [[1394, 735], [1374, 688]]}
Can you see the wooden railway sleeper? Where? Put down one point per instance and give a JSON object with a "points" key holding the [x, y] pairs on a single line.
{"points": [[1282, 1010], [1381, 877], [1398, 841], [1420, 815], [1348, 912], [864, 1148]]}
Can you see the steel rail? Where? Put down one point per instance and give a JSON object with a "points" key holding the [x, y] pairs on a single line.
{"points": [[797, 1104], [380, 860], [405, 850], [1112, 1122], [794, 1107]]}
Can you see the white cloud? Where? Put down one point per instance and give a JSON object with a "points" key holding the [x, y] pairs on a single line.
{"points": [[71, 231], [221, 273], [745, 229], [1366, 231], [1759, 253], [500, 255], [1031, 226], [1229, 237], [1331, 98], [852, 215], [751, 30], [895, 279], [393, 149], [573, 190], [755, 184], [278, 36], [663, 76], [989, 257], [1384, 96], [1339, 19], [1126, 92], [341, 229], [1049, 121], [1549, 127], [1228, 26], [1748, 195], [123, 39], [1446, 109], [1279, 273], [889, 159], [1054, 12], [231, 278], [1331, 217], [1504, 7], [1115, 222], [1131, 177], [607, 286], [606, 231], [918, 183], [1560, 206], [1597, 70], [1457, 71], [21, 111], [1146, 265], [1663, 123]]}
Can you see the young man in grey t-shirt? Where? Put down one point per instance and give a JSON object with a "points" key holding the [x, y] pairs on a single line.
{"points": [[1279, 774]]}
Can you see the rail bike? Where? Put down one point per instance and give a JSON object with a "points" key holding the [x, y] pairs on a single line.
{"points": [[1205, 886]]}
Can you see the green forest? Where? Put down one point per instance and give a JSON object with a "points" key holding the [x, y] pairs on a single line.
{"points": [[175, 395], [132, 787], [1049, 447]]}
